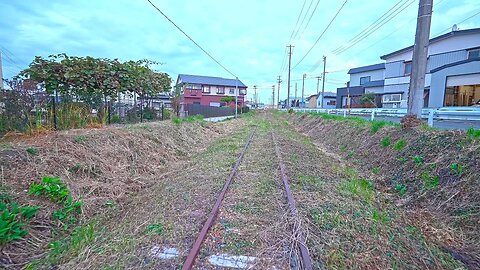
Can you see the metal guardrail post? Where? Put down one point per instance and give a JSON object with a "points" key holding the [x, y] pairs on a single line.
{"points": [[372, 116], [430, 118], [344, 113]]}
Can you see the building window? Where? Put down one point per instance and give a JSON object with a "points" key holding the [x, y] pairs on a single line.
{"points": [[364, 80], [206, 89], [220, 90], [408, 68], [392, 98], [474, 54], [332, 102], [243, 91], [196, 102], [194, 86], [465, 95], [232, 91]]}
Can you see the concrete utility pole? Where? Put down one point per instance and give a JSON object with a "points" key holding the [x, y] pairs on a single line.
{"points": [[323, 80], [273, 96], [1, 72], [255, 96], [318, 84], [303, 89], [289, 70], [236, 97], [419, 61], [278, 91], [295, 94]]}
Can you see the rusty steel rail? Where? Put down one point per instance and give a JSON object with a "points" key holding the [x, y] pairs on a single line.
{"points": [[306, 260], [192, 255]]}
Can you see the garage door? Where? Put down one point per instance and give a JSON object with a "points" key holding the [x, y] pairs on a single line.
{"points": [[470, 79]]}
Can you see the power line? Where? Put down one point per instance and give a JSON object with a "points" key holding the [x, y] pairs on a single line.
{"points": [[384, 21], [191, 39], [298, 19], [309, 19], [321, 35], [446, 29], [303, 20]]}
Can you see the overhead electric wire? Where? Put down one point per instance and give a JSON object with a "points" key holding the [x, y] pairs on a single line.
{"points": [[446, 29], [310, 18], [303, 20], [371, 25], [191, 39], [321, 35], [378, 26], [298, 19]]}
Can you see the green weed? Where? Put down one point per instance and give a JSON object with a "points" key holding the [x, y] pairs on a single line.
{"points": [[72, 245], [376, 170], [429, 181], [12, 221], [156, 228], [379, 216], [309, 182], [80, 139], [457, 168], [401, 189], [400, 144], [359, 187], [473, 133], [343, 147], [418, 160], [377, 125], [385, 142], [32, 151]]}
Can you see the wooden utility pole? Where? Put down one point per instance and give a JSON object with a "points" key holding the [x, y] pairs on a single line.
{"points": [[419, 61], [323, 79], [303, 89], [295, 104], [289, 70], [255, 96], [278, 91]]}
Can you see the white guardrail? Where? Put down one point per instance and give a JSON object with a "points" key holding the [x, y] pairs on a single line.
{"points": [[444, 113]]}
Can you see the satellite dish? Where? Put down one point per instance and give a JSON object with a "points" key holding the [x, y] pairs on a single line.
{"points": [[454, 28]]}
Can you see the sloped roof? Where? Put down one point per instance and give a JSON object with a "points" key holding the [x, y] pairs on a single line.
{"points": [[367, 68], [207, 80], [435, 39]]}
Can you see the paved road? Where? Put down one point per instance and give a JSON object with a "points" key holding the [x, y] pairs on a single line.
{"points": [[440, 124]]}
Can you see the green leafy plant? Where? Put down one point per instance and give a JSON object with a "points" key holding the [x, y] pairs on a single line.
{"points": [[401, 189], [418, 160], [12, 221], [377, 125], [457, 168], [385, 142], [52, 187], [32, 151], [359, 187], [473, 133], [429, 181], [400, 144], [376, 170]]}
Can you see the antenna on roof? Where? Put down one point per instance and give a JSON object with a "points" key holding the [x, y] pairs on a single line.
{"points": [[454, 28]]}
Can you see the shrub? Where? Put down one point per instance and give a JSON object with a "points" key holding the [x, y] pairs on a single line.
{"points": [[473, 133]]}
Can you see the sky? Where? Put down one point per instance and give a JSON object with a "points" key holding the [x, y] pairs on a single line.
{"points": [[248, 37]]}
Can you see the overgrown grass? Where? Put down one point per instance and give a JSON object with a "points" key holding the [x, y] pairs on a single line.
{"points": [[473, 133], [385, 142], [357, 121], [189, 119], [400, 144], [309, 182], [361, 188]]}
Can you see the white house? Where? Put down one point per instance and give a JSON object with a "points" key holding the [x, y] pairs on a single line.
{"points": [[453, 71], [452, 79]]}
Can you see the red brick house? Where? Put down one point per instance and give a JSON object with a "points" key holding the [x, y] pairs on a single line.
{"points": [[208, 91]]}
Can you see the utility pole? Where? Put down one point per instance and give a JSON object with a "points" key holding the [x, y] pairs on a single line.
{"points": [[236, 97], [295, 105], [303, 89], [1, 72], [278, 91], [273, 96], [318, 84], [255, 95], [323, 80], [419, 61], [289, 70]]}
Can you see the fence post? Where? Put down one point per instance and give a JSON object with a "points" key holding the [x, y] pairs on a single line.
{"points": [[430, 118], [54, 107], [141, 110], [372, 117], [344, 113]]}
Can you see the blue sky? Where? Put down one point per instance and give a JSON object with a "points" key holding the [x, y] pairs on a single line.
{"points": [[248, 36]]}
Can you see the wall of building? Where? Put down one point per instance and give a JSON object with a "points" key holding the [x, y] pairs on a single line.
{"points": [[375, 75], [439, 80]]}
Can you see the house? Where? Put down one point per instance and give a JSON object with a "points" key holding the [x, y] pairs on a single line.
{"points": [[209, 91], [452, 77], [329, 100], [453, 71], [366, 79]]}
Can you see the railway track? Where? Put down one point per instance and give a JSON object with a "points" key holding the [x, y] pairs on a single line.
{"points": [[298, 235]]}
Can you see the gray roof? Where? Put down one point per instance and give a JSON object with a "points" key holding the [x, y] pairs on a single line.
{"points": [[328, 94], [374, 83], [367, 68], [207, 80], [435, 39]]}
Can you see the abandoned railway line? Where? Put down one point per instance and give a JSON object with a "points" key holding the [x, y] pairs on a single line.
{"points": [[297, 238]]}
